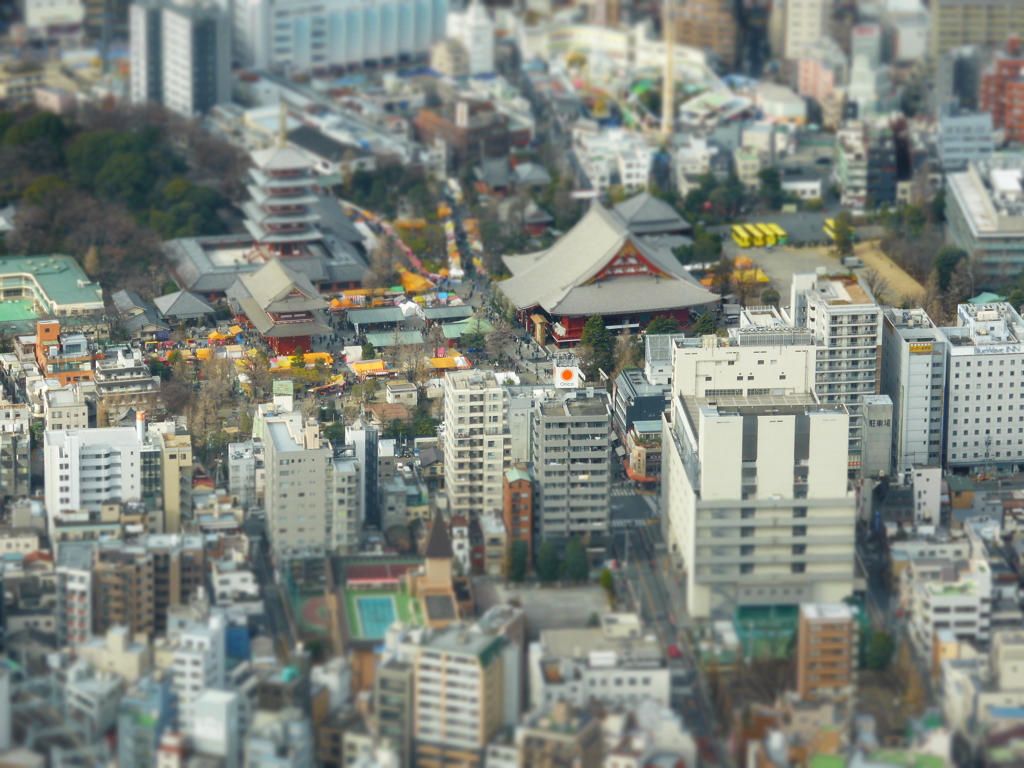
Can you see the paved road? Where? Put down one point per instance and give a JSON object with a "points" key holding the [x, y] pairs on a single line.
{"points": [[273, 596]]}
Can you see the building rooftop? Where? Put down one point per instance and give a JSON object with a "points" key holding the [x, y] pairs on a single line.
{"points": [[472, 379], [60, 278], [465, 641], [826, 611]]}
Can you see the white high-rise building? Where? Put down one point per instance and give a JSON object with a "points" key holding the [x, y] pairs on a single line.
{"points": [[846, 323], [347, 502], [914, 378], [474, 28], [199, 665], [985, 407], [297, 35], [180, 54], [806, 22], [476, 441], [757, 509], [86, 467]]}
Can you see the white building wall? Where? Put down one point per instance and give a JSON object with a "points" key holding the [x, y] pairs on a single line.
{"points": [[806, 22]]}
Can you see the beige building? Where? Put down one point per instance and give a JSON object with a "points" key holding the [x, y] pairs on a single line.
{"points": [[65, 408], [495, 544], [747, 162], [827, 649], [20, 79], [450, 58], [459, 702], [401, 392], [986, 23], [176, 470], [560, 737], [806, 23], [18, 540], [117, 652]]}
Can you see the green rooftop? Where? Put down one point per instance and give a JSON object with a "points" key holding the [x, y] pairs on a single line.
{"points": [[901, 757], [17, 309], [827, 761], [60, 279]]}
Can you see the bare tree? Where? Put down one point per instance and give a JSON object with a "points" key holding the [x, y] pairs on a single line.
{"points": [[877, 284], [745, 285], [385, 259]]}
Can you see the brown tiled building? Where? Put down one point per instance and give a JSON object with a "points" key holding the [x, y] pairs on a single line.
{"points": [[123, 590], [1002, 92], [471, 129], [826, 651], [517, 506], [708, 25], [179, 568]]}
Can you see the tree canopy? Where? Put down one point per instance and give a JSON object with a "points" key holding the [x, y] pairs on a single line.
{"points": [[577, 568], [548, 563], [597, 348], [662, 324]]}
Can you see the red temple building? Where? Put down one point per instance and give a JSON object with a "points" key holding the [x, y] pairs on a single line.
{"points": [[281, 304], [606, 265]]}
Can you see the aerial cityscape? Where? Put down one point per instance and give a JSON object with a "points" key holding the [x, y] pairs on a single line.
{"points": [[511, 384]]}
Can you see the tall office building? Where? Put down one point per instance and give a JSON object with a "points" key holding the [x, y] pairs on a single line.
{"points": [[806, 22], [123, 581], [297, 495], [985, 412], [180, 54], [914, 378], [572, 438], [474, 28], [826, 651], [986, 23], [754, 481], [15, 453], [299, 36], [846, 323], [476, 441], [1002, 91]]}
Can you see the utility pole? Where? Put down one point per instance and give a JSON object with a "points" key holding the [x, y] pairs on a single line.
{"points": [[668, 96]]}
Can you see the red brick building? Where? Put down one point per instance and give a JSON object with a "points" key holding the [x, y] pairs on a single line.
{"points": [[471, 129], [1002, 91], [517, 507]]}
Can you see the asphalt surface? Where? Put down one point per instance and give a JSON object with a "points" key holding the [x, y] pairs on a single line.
{"points": [[277, 624]]}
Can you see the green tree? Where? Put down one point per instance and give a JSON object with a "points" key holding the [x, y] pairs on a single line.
{"points": [[1016, 298], [125, 177], [771, 187], [938, 207], [607, 580], [518, 561], [369, 353], [548, 563], [43, 188], [662, 324], [814, 205], [844, 233], [770, 297], [577, 567], [297, 363], [880, 651], [946, 261], [44, 126], [335, 431], [914, 219], [7, 119], [598, 348], [706, 325]]}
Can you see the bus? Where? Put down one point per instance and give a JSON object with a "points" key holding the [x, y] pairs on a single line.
{"points": [[756, 238], [830, 229], [739, 234], [766, 232], [780, 234]]}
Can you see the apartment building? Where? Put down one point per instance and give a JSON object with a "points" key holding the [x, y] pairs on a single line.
{"points": [[297, 494], [120, 653], [846, 323], [199, 664], [571, 453], [345, 477], [65, 408], [958, 599], [246, 472], [865, 165], [561, 735], [123, 380], [458, 693], [477, 442], [393, 704], [15, 450], [518, 508], [617, 663], [175, 470], [87, 467], [280, 740], [985, 415], [986, 23], [805, 23], [147, 710], [827, 651], [710, 26], [914, 355], [1002, 91], [64, 357], [471, 130], [122, 580], [964, 136], [74, 608], [474, 28]]}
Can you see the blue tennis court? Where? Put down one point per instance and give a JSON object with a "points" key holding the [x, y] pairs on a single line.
{"points": [[376, 614]]}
